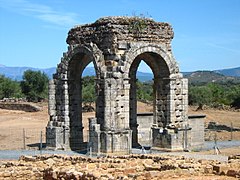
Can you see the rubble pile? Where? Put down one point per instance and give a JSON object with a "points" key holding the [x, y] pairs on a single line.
{"points": [[116, 167]]}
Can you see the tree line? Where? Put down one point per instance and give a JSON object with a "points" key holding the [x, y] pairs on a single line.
{"points": [[213, 94], [34, 87]]}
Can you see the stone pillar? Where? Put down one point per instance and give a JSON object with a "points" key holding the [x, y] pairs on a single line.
{"points": [[116, 136], [161, 87], [110, 96], [94, 136], [100, 105], [51, 99], [171, 113], [171, 135], [65, 114], [184, 99], [50, 131], [133, 112], [76, 129], [55, 136]]}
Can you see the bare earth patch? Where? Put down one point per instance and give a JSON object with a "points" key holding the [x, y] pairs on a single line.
{"points": [[13, 125]]}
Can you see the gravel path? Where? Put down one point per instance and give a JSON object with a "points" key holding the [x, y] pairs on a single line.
{"points": [[15, 154]]}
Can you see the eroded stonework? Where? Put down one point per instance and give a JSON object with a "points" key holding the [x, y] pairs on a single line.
{"points": [[116, 45]]}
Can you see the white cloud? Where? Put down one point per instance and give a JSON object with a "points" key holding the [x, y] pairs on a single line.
{"points": [[223, 47], [40, 11]]}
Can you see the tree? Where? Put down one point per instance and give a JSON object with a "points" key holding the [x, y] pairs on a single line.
{"points": [[144, 91], [234, 96], [200, 95], [34, 85], [218, 93], [88, 90], [9, 88]]}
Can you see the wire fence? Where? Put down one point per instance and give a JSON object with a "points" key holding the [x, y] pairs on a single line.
{"points": [[22, 138], [35, 139]]}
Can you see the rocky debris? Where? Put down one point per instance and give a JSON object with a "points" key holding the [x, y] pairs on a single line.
{"points": [[115, 167], [221, 127], [28, 107], [234, 157], [88, 108], [13, 100], [220, 107]]}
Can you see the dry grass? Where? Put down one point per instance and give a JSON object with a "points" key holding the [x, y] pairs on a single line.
{"points": [[12, 124]]}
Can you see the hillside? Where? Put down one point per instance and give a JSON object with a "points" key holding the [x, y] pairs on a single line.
{"points": [[201, 77], [229, 72]]}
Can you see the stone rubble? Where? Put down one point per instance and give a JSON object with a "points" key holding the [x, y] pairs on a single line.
{"points": [[116, 167], [20, 106]]}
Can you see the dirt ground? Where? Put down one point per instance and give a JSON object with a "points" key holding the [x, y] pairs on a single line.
{"points": [[19, 129], [221, 117]]}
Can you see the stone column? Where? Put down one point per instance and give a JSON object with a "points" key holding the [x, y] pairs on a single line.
{"points": [[100, 102], [110, 97], [57, 130], [51, 99], [116, 134], [133, 111], [171, 113], [65, 113], [76, 129], [185, 98], [50, 129], [161, 87]]}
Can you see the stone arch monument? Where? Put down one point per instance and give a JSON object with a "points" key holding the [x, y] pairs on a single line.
{"points": [[116, 45]]}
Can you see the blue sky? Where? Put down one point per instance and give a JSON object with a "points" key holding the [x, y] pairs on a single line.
{"points": [[207, 32]]}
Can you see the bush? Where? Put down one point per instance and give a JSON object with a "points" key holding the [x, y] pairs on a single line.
{"points": [[88, 90], [9, 88], [34, 85]]}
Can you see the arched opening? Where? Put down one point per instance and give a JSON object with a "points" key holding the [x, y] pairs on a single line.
{"points": [[78, 119], [144, 88], [142, 135]]}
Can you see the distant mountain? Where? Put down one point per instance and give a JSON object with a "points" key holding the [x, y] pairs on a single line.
{"points": [[143, 76], [230, 72], [16, 73]]}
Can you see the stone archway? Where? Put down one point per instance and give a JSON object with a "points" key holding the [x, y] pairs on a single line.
{"points": [[166, 115], [65, 98], [116, 45], [77, 64]]}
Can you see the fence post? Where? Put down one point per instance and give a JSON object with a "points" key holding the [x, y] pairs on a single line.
{"points": [[24, 139], [40, 145], [216, 149]]}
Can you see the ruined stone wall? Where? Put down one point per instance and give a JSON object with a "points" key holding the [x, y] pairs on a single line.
{"points": [[28, 107], [196, 140], [145, 122]]}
